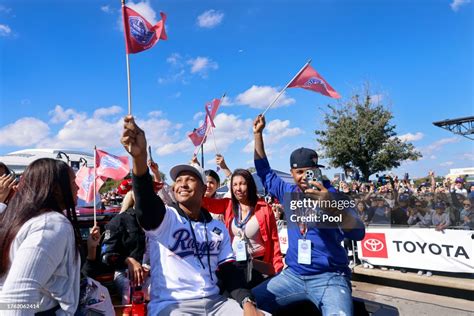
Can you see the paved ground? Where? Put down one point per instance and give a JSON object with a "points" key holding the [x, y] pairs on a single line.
{"points": [[411, 302]]}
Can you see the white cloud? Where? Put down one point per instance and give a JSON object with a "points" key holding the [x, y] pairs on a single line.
{"points": [[409, 137], [446, 164], [456, 4], [437, 145], [274, 132], [210, 19], [5, 30], [226, 101], [106, 9], [155, 113], [198, 115], [184, 145], [174, 59], [202, 65], [106, 112], [144, 9], [5, 9], [26, 131], [229, 129], [60, 115], [260, 97], [103, 129], [468, 156], [178, 76]]}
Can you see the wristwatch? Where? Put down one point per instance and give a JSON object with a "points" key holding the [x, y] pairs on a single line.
{"points": [[248, 299]]}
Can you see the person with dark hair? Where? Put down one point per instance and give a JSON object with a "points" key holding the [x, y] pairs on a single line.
{"points": [[317, 262], [40, 261], [213, 183], [189, 251], [252, 227], [7, 185]]}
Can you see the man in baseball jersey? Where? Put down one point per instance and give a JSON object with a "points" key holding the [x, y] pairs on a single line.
{"points": [[189, 251]]}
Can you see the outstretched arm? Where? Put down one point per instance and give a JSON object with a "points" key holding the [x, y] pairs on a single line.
{"points": [[149, 208], [258, 126]]}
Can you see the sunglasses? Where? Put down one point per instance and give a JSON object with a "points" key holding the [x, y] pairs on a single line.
{"points": [[467, 204], [418, 205]]}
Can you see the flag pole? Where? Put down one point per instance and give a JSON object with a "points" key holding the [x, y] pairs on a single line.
{"points": [[202, 155], [94, 185], [283, 90], [129, 86], [212, 128]]}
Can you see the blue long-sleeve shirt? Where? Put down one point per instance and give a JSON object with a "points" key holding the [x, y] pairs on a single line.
{"points": [[327, 252]]}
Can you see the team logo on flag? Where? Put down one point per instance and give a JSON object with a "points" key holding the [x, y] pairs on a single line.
{"points": [[314, 80], [86, 183], [139, 31], [110, 162]]}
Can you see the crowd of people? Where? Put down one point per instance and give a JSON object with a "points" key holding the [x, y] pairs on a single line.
{"points": [[192, 252]]}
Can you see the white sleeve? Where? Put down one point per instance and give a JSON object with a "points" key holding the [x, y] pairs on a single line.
{"points": [[169, 222], [226, 254], [34, 263]]}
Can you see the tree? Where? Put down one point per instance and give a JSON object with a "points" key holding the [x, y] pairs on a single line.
{"points": [[360, 135]]}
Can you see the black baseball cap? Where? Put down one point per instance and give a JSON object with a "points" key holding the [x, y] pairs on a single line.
{"points": [[304, 158]]}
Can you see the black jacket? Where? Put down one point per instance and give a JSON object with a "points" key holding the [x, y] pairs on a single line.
{"points": [[123, 238]]}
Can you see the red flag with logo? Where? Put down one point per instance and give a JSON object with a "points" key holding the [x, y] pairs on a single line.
{"points": [[85, 182], [310, 79], [198, 136], [139, 33], [111, 166]]}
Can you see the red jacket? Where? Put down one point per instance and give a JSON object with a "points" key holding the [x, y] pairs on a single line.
{"points": [[266, 221]]}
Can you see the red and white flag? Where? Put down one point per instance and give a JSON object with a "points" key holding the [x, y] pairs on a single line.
{"points": [[310, 79], [198, 136], [85, 182], [211, 110], [111, 166], [139, 33]]}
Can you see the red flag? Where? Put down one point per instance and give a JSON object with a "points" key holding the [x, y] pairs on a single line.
{"points": [[198, 135], [139, 33], [84, 180], [110, 166], [211, 110], [311, 80]]}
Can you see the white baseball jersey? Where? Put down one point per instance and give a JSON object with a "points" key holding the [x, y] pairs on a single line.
{"points": [[176, 271]]}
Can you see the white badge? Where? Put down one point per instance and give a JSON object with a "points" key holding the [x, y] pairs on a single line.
{"points": [[241, 251], [304, 251]]}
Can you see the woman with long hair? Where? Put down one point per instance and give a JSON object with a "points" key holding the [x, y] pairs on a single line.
{"points": [[252, 228], [40, 262]]}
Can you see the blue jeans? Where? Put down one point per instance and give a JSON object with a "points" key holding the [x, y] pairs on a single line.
{"points": [[331, 292]]}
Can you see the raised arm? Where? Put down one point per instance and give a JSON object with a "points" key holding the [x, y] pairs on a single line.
{"points": [[220, 162], [258, 126], [149, 207]]}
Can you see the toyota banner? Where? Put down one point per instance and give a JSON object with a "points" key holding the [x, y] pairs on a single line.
{"points": [[419, 248]]}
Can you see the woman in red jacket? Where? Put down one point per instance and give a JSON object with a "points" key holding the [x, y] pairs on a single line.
{"points": [[252, 227]]}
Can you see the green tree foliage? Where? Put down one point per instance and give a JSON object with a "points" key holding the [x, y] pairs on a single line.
{"points": [[359, 135]]}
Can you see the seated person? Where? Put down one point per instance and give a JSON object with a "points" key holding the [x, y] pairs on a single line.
{"points": [[189, 251], [252, 227]]}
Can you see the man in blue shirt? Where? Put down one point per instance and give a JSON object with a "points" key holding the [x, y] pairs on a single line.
{"points": [[317, 262]]}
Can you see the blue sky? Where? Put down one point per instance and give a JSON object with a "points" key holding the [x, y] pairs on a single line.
{"points": [[63, 75]]}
